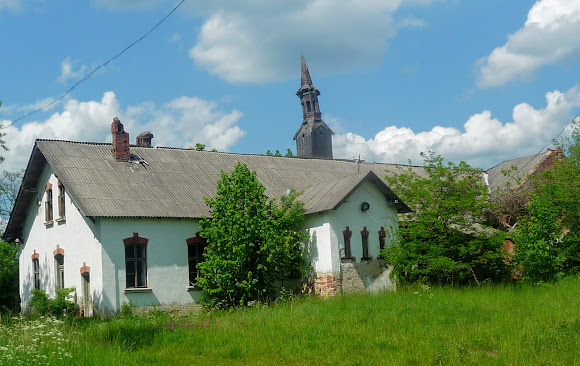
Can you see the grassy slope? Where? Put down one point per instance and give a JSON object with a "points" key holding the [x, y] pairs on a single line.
{"points": [[511, 325]]}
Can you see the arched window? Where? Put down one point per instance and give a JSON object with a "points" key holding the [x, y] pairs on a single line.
{"points": [[135, 261], [59, 267]]}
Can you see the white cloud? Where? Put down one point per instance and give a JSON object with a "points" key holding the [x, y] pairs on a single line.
{"points": [[175, 38], [484, 142], [412, 23], [550, 34], [67, 72], [260, 41], [19, 5], [179, 123]]}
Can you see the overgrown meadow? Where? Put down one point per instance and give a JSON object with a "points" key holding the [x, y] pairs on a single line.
{"points": [[495, 325]]}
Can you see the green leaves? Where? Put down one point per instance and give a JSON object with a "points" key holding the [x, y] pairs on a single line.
{"points": [[445, 239], [252, 241]]}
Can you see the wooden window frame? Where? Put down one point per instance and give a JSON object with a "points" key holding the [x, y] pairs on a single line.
{"points": [[195, 248], [59, 270], [139, 263], [36, 273], [61, 201], [48, 214]]}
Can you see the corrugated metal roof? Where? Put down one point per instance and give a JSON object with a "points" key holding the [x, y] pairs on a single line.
{"points": [[170, 182], [514, 172]]}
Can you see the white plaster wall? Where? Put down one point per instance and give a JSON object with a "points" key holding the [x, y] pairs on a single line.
{"points": [[167, 264], [328, 242], [349, 214], [76, 236]]}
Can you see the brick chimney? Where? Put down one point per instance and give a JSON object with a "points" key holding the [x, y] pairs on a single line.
{"points": [[144, 139], [120, 147]]}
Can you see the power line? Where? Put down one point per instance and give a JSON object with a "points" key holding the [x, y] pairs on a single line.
{"points": [[46, 106]]}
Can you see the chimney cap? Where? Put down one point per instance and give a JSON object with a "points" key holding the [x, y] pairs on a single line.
{"points": [[145, 134]]}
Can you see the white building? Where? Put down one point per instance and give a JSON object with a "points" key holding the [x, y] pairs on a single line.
{"points": [[122, 224]]}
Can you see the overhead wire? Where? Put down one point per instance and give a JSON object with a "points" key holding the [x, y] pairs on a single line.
{"points": [[62, 96]]}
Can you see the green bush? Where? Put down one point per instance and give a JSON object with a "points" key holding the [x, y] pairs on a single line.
{"points": [[9, 297], [58, 307]]}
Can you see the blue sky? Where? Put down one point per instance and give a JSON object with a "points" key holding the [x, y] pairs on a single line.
{"points": [[481, 81]]}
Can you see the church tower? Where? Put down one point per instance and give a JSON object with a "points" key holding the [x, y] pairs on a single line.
{"points": [[314, 137]]}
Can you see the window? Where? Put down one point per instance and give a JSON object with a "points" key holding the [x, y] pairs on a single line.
{"points": [[136, 261], [195, 249], [59, 265], [48, 205], [61, 212], [382, 234], [36, 269], [365, 243], [347, 234], [308, 106]]}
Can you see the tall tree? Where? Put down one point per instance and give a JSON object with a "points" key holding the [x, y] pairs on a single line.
{"points": [[548, 238], [251, 241], [444, 239]]}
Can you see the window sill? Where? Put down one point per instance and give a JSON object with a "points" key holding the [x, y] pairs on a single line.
{"points": [[49, 223], [348, 260], [61, 219], [368, 259], [138, 289], [193, 288]]}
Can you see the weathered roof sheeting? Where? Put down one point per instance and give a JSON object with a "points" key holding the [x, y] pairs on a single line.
{"points": [[169, 182], [514, 173]]}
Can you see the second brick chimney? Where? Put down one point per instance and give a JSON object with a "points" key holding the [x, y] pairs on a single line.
{"points": [[144, 139], [120, 147]]}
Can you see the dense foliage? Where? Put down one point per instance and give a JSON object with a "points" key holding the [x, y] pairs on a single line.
{"points": [[445, 240], [59, 306], [548, 238], [9, 299], [252, 241]]}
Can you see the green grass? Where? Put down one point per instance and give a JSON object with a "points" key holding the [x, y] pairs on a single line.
{"points": [[496, 325]]}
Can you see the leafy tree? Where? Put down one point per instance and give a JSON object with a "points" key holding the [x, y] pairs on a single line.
{"points": [[199, 147], [269, 153], [289, 153], [444, 240], [9, 299], [548, 239], [252, 241]]}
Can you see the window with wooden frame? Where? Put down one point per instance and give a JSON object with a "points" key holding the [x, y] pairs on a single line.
{"points": [[135, 261], [48, 204], [365, 243], [36, 272], [347, 234], [61, 208], [59, 265], [195, 249]]}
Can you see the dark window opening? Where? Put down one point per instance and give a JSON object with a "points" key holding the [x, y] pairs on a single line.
{"points": [[308, 106], [59, 264], [36, 269], [61, 212], [382, 235], [48, 206], [136, 265], [365, 243], [347, 234]]}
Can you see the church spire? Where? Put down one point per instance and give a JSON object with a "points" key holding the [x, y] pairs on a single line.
{"points": [[314, 137], [305, 79]]}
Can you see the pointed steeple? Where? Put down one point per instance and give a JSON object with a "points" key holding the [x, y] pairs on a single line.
{"points": [[305, 79], [314, 137]]}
